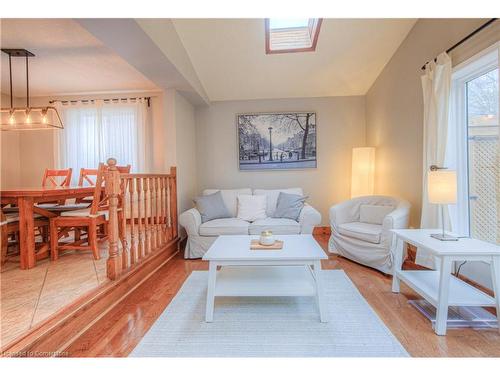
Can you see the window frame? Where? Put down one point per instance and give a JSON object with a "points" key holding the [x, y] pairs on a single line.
{"points": [[314, 28], [474, 67]]}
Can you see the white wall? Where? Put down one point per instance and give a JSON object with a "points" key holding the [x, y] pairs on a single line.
{"points": [[185, 152], [340, 127]]}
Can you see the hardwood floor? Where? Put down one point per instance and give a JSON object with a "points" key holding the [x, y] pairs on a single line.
{"points": [[124, 326]]}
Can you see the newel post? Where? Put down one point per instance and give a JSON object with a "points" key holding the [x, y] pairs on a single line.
{"points": [[112, 184], [173, 201]]}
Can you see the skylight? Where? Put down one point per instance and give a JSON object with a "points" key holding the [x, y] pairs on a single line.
{"points": [[291, 34]]}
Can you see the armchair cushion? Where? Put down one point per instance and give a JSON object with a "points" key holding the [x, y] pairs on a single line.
{"points": [[373, 214], [361, 231], [229, 226]]}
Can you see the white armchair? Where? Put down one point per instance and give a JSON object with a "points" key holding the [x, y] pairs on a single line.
{"points": [[361, 229]]}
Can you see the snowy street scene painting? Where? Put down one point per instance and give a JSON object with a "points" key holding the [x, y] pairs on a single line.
{"points": [[277, 140]]}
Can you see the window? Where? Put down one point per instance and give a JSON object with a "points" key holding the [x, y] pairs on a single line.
{"points": [[474, 130], [292, 35], [96, 131]]}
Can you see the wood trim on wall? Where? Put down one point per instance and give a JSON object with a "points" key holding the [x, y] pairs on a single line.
{"points": [[50, 337]]}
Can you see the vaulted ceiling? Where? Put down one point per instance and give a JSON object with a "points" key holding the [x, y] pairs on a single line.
{"points": [[225, 56], [230, 60], [68, 60]]}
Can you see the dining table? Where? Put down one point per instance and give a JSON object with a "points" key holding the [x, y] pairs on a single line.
{"points": [[26, 199]]}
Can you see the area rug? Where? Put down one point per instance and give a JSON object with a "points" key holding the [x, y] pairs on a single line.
{"points": [[269, 327]]}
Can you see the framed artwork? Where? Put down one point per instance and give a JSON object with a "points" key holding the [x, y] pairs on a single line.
{"points": [[282, 140]]}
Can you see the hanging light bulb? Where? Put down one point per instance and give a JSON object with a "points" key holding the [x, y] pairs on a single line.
{"points": [[28, 117], [12, 119], [44, 116]]}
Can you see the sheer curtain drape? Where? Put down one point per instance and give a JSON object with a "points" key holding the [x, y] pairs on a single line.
{"points": [[436, 84], [94, 131]]}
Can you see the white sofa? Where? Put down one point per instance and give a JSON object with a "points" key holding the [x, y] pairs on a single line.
{"points": [[366, 237], [202, 235]]}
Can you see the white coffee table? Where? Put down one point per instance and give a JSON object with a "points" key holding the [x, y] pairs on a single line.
{"points": [[294, 270]]}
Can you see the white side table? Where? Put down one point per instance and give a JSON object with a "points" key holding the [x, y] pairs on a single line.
{"points": [[440, 288]]}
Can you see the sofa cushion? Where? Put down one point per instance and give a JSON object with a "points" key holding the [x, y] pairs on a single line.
{"points": [[361, 231], [219, 227], [211, 207], [229, 196], [277, 226], [373, 214], [272, 197], [251, 207], [289, 206]]}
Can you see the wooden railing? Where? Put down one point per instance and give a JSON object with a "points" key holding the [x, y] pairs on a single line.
{"points": [[142, 216]]}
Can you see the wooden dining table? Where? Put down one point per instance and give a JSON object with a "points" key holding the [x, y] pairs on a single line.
{"points": [[26, 200]]}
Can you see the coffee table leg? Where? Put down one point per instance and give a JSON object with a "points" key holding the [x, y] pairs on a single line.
{"points": [[212, 274], [320, 298]]}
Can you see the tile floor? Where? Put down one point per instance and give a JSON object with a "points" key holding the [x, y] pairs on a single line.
{"points": [[30, 296]]}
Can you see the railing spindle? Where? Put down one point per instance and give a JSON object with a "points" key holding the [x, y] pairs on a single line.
{"points": [[140, 224], [158, 209], [147, 228], [133, 211], [123, 223]]}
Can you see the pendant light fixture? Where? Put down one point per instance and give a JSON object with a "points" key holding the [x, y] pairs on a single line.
{"points": [[27, 118]]}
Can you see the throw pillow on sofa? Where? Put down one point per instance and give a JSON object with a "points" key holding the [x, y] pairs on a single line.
{"points": [[252, 207], [211, 207], [289, 206]]}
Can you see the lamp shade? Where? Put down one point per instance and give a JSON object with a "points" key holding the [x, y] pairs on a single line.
{"points": [[442, 187], [363, 171]]}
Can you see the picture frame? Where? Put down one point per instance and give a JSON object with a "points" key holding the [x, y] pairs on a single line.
{"points": [[277, 140]]}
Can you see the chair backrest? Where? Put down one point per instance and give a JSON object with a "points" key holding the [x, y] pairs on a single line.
{"points": [[86, 174], [56, 177], [100, 199]]}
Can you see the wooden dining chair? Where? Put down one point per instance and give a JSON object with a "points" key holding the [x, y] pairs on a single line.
{"points": [[87, 220], [9, 226], [56, 177]]}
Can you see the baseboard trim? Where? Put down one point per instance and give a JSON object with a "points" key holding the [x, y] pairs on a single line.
{"points": [[50, 337]]}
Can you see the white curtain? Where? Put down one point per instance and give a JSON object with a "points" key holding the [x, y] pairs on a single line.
{"points": [[436, 83], [95, 131]]}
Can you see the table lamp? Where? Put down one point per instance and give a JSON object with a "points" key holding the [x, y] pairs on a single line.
{"points": [[442, 189]]}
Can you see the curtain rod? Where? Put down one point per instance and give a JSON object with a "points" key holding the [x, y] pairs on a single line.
{"points": [[148, 98], [480, 28]]}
